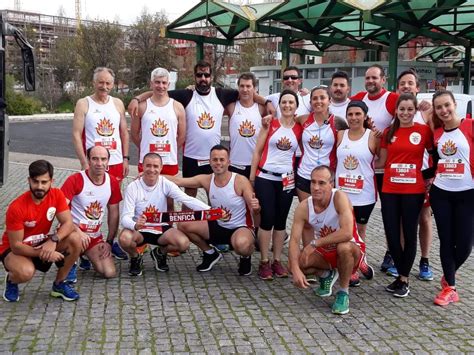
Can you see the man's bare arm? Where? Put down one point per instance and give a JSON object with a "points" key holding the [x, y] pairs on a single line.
{"points": [[77, 130]]}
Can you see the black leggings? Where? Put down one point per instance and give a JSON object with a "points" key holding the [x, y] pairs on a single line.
{"points": [[454, 214], [404, 208], [275, 203]]}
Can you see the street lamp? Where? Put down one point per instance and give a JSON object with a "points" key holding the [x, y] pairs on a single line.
{"points": [[364, 5]]}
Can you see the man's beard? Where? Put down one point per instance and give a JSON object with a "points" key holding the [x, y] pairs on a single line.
{"points": [[203, 87], [39, 194]]}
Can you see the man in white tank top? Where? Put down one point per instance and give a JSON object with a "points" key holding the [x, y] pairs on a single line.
{"points": [[336, 250], [245, 120], [339, 91], [233, 193], [89, 193], [160, 126], [99, 119]]}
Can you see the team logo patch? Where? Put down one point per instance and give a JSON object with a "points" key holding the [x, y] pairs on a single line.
{"points": [[159, 128], [205, 121], [105, 128], [150, 209], [449, 148], [247, 129], [283, 144], [30, 224], [315, 142], [94, 211], [415, 138], [51, 213], [351, 162], [227, 214]]}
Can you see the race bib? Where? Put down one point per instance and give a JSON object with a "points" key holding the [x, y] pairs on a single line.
{"points": [[163, 148], [90, 227], [451, 169], [203, 162], [151, 228], [352, 184], [107, 142], [403, 173], [288, 181], [35, 240]]}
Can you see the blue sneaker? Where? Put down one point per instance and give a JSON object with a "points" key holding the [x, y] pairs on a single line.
{"points": [[387, 262], [72, 275], [11, 292], [392, 271], [118, 253], [84, 264], [425, 272], [65, 290], [223, 248]]}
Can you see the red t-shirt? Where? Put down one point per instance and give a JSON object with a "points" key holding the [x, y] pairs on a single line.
{"points": [[33, 219], [405, 159]]}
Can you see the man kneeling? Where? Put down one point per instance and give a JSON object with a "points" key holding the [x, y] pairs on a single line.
{"points": [[148, 194], [336, 250]]}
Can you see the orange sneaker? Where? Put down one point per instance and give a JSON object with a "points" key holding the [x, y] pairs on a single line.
{"points": [[443, 283], [446, 296]]}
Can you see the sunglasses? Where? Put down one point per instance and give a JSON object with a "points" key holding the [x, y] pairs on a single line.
{"points": [[206, 75], [292, 77]]}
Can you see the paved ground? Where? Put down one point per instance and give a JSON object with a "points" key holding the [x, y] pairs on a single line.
{"points": [[221, 312]]}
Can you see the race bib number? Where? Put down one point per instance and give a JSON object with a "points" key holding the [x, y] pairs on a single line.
{"points": [[203, 162], [352, 184], [90, 227], [288, 180], [35, 240], [107, 142], [162, 148], [403, 173], [150, 228], [451, 169]]}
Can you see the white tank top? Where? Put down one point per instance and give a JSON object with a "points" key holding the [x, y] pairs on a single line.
{"points": [[426, 157], [327, 222], [244, 125], [339, 109], [159, 127], [102, 127], [88, 207], [318, 146], [226, 198], [355, 173], [203, 125], [378, 111]]}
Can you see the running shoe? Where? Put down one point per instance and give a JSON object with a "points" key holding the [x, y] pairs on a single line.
{"points": [[392, 271], [265, 271], [425, 272], [65, 290], [393, 286], [245, 265], [355, 280], [366, 269], [160, 260], [118, 253], [278, 269], [72, 275], [443, 283], [402, 290], [11, 293], [446, 296], [341, 304], [387, 262], [208, 261], [136, 266], [326, 284], [84, 264]]}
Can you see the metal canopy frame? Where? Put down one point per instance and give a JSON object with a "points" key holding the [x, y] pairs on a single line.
{"points": [[386, 27]]}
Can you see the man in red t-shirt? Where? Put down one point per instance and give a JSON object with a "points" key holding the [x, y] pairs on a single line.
{"points": [[27, 244]]}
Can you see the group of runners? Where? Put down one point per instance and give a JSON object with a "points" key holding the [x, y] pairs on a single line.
{"points": [[333, 151]]}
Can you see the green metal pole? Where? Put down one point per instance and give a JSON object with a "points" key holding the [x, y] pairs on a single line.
{"points": [[199, 51], [393, 61], [466, 84], [285, 52]]}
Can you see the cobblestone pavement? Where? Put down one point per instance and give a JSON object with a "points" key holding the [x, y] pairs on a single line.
{"points": [[221, 312]]}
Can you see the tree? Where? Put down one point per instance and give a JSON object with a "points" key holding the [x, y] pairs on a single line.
{"points": [[63, 63], [147, 49]]}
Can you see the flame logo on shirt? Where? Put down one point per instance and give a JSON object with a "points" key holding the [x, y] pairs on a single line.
{"points": [[105, 128], [205, 121], [283, 144], [159, 128], [324, 232], [315, 142], [227, 215], [449, 148], [351, 162], [150, 209], [247, 129], [94, 211]]}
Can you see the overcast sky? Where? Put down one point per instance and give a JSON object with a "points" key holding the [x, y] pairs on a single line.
{"points": [[124, 12]]}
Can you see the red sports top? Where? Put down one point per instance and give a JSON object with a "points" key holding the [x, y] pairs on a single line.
{"points": [[405, 159]]}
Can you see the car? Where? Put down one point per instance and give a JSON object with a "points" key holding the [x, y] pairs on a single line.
{"points": [[464, 102]]}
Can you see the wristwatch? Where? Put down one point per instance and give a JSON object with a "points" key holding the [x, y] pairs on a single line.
{"points": [[54, 237], [126, 157]]}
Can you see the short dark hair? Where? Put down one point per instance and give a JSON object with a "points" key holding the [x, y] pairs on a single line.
{"points": [[409, 72], [202, 64], [152, 155], [340, 74], [292, 67], [219, 147], [288, 92], [88, 152], [379, 67], [247, 76], [40, 167], [324, 167]]}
